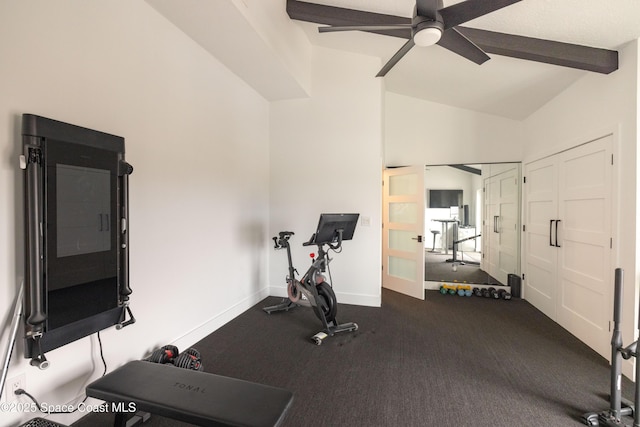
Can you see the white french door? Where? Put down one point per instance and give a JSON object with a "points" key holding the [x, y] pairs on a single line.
{"points": [[403, 229]]}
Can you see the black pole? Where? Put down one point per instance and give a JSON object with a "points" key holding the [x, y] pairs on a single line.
{"points": [[636, 403], [616, 345]]}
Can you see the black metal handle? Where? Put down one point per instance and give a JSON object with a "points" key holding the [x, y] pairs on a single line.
{"points": [[125, 290], [419, 238], [557, 222], [35, 243], [495, 223], [550, 232]]}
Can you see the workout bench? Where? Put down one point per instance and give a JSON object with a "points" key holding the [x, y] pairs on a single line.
{"points": [[190, 396]]}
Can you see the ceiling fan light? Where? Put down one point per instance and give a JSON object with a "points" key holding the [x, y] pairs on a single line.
{"points": [[427, 36]]}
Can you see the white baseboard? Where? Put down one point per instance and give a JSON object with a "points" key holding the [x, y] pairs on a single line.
{"points": [[220, 319]]}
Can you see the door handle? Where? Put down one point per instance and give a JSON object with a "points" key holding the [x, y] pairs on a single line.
{"points": [[419, 238], [557, 222], [551, 221], [495, 224], [100, 219]]}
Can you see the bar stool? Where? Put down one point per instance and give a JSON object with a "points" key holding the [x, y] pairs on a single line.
{"points": [[435, 233]]}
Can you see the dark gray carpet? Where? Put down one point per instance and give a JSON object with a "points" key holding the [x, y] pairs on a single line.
{"points": [[446, 361]]}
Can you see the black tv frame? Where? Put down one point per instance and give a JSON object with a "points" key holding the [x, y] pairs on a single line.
{"points": [[49, 147], [443, 198], [335, 227]]}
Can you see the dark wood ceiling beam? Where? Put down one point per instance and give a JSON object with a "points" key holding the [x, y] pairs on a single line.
{"points": [[547, 51], [466, 168]]}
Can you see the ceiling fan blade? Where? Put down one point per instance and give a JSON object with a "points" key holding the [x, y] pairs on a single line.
{"points": [[546, 51], [363, 28], [395, 58], [462, 12], [458, 43], [428, 8], [331, 15]]}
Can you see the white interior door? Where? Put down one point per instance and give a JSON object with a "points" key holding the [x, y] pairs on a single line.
{"points": [[490, 234], [585, 275], [541, 206], [403, 229], [508, 224], [501, 242]]}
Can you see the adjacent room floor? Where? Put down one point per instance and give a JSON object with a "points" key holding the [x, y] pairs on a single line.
{"points": [[439, 267]]}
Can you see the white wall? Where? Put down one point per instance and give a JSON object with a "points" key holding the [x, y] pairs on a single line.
{"points": [[198, 139], [594, 106], [326, 157], [420, 132]]}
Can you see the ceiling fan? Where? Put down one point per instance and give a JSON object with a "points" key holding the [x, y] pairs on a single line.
{"points": [[434, 24]]}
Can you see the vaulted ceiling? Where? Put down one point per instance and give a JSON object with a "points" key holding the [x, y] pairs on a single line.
{"points": [[503, 86]]}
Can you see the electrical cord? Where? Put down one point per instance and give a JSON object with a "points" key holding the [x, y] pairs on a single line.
{"points": [[104, 362], [21, 391]]}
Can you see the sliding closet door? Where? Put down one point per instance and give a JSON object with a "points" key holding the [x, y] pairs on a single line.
{"points": [[541, 207], [568, 220], [585, 275]]}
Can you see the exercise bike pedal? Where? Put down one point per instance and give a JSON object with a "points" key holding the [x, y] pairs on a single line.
{"points": [[317, 338]]}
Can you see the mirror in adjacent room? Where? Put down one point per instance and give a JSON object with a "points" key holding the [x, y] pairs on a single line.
{"points": [[472, 223]]}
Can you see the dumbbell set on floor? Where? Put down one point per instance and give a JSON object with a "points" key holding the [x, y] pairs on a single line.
{"points": [[461, 290], [492, 292], [169, 354], [466, 290]]}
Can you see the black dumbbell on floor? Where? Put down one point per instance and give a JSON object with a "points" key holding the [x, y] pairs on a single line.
{"points": [[502, 294]]}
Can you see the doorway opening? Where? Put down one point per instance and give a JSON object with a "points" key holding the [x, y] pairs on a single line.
{"points": [[472, 220]]}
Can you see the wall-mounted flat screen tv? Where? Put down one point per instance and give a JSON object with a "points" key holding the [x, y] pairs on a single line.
{"points": [[445, 198], [76, 232]]}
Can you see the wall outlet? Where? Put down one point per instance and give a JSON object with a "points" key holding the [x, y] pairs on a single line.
{"points": [[12, 384]]}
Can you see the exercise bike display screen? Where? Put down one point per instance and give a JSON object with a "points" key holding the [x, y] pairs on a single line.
{"points": [[329, 224]]}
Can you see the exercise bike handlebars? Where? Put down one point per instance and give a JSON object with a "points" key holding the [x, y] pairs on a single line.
{"points": [[334, 246]]}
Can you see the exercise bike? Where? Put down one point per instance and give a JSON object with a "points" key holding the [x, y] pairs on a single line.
{"points": [[312, 290]]}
